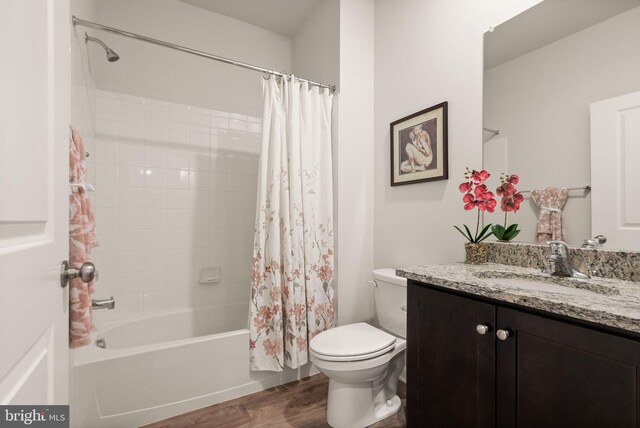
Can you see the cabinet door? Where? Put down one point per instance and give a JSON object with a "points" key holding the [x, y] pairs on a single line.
{"points": [[554, 374], [450, 366]]}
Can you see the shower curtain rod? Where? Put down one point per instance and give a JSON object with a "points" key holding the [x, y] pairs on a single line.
{"points": [[78, 21]]}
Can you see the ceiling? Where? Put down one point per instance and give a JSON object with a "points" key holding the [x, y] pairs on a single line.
{"points": [[280, 16], [545, 23]]}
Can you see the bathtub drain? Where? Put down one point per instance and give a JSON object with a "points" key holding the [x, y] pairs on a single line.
{"points": [[100, 343]]}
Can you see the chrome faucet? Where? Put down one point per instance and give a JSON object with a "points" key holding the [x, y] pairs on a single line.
{"points": [[559, 264], [103, 303], [594, 242]]}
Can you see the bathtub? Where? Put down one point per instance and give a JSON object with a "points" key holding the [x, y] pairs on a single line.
{"points": [[160, 366]]}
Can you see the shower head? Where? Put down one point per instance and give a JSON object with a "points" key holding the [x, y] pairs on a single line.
{"points": [[111, 55]]}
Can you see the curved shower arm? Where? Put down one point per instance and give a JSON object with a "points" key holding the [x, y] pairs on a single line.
{"points": [[111, 55], [88, 38]]}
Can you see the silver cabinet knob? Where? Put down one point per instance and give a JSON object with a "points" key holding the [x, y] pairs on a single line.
{"points": [[87, 273], [502, 334], [482, 329]]}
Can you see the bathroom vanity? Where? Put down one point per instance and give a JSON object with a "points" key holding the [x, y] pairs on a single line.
{"points": [[502, 346]]}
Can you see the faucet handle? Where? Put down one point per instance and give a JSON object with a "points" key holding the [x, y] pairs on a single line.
{"points": [[594, 242], [559, 248], [600, 239]]}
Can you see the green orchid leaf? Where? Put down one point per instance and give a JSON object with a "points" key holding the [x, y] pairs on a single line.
{"points": [[482, 239], [498, 231], [463, 234], [511, 228], [469, 233], [497, 228], [512, 235], [484, 230]]}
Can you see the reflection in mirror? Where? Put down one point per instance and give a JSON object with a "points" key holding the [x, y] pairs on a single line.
{"points": [[542, 71]]}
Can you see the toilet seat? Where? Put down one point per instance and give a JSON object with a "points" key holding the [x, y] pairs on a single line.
{"points": [[353, 357], [350, 366], [352, 342]]}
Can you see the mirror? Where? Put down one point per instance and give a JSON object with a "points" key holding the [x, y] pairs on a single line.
{"points": [[542, 71]]}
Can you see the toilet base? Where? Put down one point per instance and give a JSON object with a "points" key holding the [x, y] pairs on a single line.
{"points": [[351, 405]]}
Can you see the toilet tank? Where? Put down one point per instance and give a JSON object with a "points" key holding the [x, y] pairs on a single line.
{"points": [[390, 297]]}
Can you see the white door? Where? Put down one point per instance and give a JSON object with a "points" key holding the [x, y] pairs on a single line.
{"points": [[34, 157], [615, 171]]}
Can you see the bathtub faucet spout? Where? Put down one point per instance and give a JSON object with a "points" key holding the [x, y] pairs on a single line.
{"points": [[103, 303]]}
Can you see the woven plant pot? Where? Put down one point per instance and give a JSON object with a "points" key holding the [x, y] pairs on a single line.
{"points": [[475, 254]]}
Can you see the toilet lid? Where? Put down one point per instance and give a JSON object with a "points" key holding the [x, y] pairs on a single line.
{"points": [[352, 340]]}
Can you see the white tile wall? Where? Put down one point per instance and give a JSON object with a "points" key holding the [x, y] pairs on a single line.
{"points": [[175, 192]]}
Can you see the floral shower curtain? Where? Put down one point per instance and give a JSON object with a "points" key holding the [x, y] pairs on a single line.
{"points": [[292, 297]]}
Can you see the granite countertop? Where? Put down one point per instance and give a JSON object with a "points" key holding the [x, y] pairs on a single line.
{"points": [[609, 302]]}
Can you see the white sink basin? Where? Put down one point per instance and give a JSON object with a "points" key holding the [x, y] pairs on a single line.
{"points": [[549, 287]]}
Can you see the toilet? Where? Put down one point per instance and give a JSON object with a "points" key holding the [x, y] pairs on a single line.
{"points": [[363, 362]]}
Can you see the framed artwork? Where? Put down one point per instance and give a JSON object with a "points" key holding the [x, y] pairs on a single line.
{"points": [[419, 147]]}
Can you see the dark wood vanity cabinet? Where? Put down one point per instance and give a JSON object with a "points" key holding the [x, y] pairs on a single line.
{"points": [[545, 373], [444, 349]]}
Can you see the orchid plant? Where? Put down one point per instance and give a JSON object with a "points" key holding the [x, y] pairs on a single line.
{"points": [[510, 202], [476, 195]]}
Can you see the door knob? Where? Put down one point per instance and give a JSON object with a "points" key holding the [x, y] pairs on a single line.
{"points": [[502, 334], [87, 273], [482, 329]]}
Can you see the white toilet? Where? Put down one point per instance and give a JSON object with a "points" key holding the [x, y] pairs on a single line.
{"points": [[363, 362]]}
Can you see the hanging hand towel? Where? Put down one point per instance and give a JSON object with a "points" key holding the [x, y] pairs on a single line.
{"points": [[551, 201], [82, 238]]}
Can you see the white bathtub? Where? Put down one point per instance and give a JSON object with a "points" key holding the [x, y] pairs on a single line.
{"points": [[161, 366]]}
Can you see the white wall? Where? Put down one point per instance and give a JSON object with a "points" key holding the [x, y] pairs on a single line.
{"points": [[355, 161], [160, 73], [427, 52], [540, 102], [316, 45]]}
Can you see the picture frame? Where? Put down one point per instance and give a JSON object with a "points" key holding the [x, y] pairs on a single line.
{"points": [[419, 147]]}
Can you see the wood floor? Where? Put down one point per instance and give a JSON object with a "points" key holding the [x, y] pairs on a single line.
{"points": [[299, 404]]}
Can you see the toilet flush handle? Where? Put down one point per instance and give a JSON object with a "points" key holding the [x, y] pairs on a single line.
{"points": [[375, 284]]}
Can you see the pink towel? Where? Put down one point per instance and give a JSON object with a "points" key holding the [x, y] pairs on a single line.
{"points": [[550, 225], [82, 238]]}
